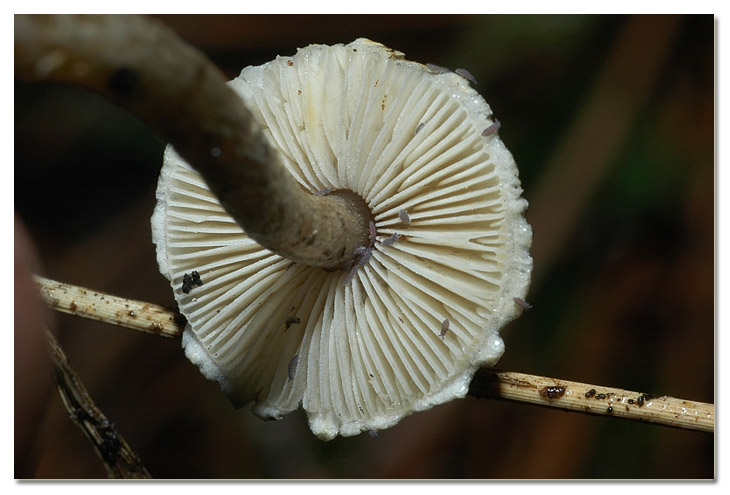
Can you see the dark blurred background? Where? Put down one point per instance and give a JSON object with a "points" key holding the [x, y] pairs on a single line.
{"points": [[611, 121]]}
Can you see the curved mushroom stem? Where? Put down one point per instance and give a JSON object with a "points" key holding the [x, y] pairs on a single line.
{"points": [[143, 66]]}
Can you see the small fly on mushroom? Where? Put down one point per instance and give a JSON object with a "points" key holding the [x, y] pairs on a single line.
{"points": [[392, 239], [404, 217], [437, 69], [362, 256], [466, 75], [492, 129], [323, 192], [444, 328], [522, 303], [372, 233], [291, 369]]}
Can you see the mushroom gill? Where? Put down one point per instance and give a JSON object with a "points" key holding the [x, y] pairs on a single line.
{"points": [[408, 324]]}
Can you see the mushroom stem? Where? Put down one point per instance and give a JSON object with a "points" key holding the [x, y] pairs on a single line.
{"points": [[487, 383], [143, 66]]}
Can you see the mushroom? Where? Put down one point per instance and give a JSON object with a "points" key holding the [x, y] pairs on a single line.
{"points": [[369, 346]]}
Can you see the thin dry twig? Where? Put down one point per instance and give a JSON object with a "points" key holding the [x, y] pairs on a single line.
{"points": [[172, 87], [118, 457], [119, 311], [593, 399], [487, 383]]}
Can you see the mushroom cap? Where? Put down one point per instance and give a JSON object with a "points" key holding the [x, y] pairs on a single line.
{"points": [[407, 329]]}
